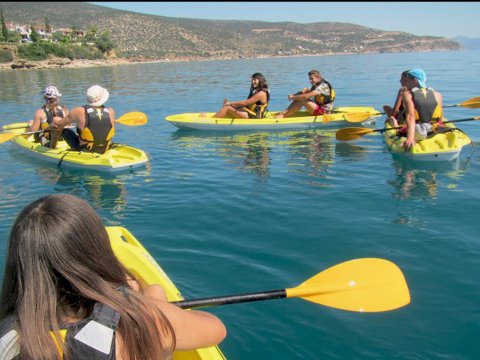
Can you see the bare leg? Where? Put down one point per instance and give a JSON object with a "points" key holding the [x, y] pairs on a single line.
{"points": [[230, 111], [54, 134], [292, 109]]}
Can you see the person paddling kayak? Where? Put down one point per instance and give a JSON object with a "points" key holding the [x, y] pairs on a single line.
{"points": [[65, 292], [44, 117], [95, 122]]}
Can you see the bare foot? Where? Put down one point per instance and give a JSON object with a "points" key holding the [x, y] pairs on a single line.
{"points": [[202, 115], [279, 116]]}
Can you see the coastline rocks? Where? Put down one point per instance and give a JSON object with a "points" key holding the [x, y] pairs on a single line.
{"points": [[22, 64]]}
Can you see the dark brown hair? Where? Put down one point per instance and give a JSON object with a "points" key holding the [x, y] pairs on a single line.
{"points": [[262, 82], [59, 264]]}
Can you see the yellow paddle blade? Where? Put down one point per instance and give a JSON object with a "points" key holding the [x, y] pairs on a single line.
{"points": [[358, 117], [6, 137], [473, 103], [364, 285], [352, 133], [8, 127], [134, 118]]}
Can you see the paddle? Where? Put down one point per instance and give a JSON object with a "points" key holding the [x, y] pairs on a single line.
{"points": [[364, 285], [15, 127], [134, 118], [353, 133], [473, 103]]}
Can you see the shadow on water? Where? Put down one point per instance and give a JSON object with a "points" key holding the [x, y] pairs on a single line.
{"points": [[350, 151]]}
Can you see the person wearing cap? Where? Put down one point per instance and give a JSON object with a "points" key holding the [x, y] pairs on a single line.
{"points": [[423, 107], [44, 117], [318, 99], [95, 122]]}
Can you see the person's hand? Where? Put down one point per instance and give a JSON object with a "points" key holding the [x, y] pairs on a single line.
{"points": [[290, 97], [30, 122], [225, 102], [56, 120], [407, 144]]}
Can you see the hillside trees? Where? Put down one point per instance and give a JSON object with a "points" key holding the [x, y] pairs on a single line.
{"points": [[4, 27]]}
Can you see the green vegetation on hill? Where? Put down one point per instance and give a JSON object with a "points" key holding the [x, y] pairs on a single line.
{"points": [[149, 36]]}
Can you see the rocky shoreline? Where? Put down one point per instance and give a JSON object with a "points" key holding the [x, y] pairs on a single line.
{"points": [[63, 63], [22, 64]]}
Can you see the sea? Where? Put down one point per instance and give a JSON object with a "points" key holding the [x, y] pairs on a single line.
{"points": [[239, 212]]}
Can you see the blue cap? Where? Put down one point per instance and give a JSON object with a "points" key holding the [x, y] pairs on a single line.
{"points": [[420, 75]]}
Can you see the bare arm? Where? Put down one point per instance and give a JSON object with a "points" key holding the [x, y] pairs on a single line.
{"points": [[37, 119], [260, 96], [112, 116], [74, 116], [303, 95], [398, 103], [193, 329], [410, 111]]}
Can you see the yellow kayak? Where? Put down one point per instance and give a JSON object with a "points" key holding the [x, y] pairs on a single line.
{"points": [[300, 120], [137, 259], [118, 157], [443, 146]]}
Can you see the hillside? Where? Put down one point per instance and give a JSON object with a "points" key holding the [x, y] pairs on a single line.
{"points": [[158, 37]]}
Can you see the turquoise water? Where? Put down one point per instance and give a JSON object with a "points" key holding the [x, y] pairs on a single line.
{"points": [[241, 212]]}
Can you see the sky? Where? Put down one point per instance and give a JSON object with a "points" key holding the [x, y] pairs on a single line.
{"points": [[446, 19]]}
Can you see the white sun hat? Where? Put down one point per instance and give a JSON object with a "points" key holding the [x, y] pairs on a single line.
{"points": [[97, 95], [52, 92]]}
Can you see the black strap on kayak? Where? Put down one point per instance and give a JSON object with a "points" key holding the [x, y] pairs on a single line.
{"points": [[61, 159]]}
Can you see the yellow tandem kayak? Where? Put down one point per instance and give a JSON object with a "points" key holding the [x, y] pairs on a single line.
{"points": [[119, 157], [443, 146], [136, 258], [300, 120]]}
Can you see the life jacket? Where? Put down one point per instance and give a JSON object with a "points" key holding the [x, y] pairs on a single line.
{"points": [[322, 99], [49, 115], [427, 108], [257, 110], [91, 338], [98, 131]]}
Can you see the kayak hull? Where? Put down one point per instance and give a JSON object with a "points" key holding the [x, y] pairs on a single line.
{"points": [[300, 120], [130, 252], [440, 147], [118, 158]]}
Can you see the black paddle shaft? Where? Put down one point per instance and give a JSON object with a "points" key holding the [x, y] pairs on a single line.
{"points": [[231, 299], [445, 122]]}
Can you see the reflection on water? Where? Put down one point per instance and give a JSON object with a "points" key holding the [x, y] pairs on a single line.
{"points": [[423, 181], [255, 152], [312, 152], [103, 191]]}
